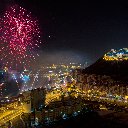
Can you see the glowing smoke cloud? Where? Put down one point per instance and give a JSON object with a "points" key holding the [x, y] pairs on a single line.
{"points": [[19, 35]]}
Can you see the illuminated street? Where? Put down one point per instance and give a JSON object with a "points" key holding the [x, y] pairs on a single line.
{"points": [[10, 115]]}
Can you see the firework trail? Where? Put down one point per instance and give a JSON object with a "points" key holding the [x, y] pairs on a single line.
{"points": [[31, 83], [20, 35]]}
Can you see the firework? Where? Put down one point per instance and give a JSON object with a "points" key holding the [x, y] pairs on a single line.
{"points": [[19, 35]]}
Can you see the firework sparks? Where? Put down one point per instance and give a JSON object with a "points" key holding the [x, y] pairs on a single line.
{"points": [[20, 35]]}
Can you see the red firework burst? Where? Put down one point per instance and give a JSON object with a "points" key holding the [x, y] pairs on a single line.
{"points": [[19, 35]]}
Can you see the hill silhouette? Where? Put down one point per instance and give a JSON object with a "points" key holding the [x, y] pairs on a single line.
{"points": [[116, 69]]}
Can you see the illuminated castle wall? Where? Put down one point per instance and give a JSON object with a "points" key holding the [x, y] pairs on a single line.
{"points": [[116, 55]]}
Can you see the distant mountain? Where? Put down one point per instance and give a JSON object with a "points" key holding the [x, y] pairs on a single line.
{"points": [[113, 63]]}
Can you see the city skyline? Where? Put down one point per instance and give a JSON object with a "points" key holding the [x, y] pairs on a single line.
{"points": [[63, 64]]}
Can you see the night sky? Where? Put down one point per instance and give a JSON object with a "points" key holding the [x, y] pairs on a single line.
{"points": [[86, 29]]}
